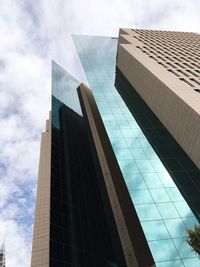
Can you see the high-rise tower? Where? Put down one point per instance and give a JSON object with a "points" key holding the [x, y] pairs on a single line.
{"points": [[119, 170], [2, 256], [163, 67]]}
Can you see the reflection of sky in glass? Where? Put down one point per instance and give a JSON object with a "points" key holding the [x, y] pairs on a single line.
{"points": [[162, 210], [63, 91]]}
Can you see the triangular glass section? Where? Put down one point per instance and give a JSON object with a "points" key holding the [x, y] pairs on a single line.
{"points": [[64, 91]]}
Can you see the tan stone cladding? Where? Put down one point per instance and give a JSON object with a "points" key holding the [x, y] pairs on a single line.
{"points": [[41, 235], [164, 68]]}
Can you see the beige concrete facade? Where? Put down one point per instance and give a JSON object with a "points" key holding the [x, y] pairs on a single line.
{"points": [[164, 68], [41, 235]]}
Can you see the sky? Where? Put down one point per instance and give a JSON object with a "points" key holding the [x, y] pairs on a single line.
{"points": [[32, 33]]}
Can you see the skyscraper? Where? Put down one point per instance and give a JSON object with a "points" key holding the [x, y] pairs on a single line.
{"points": [[2, 256], [119, 168]]}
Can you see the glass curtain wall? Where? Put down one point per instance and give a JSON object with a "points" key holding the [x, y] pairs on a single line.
{"points": [[163, 212]]}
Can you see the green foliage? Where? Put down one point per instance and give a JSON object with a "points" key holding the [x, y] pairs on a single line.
{"points": [[193, 238]]}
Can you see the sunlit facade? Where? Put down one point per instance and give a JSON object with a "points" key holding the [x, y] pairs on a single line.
{"points": [[119, 180]]}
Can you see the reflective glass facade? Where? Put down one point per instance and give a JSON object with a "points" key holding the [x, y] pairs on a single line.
{"points": [[63, 92], [163, 212], [80, 235]]}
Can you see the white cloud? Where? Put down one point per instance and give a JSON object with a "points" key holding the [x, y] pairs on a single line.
{"points": [[17, 247], [32, 33]]}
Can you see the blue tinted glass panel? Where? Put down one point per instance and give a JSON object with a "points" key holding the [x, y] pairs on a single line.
{"points": [[151, 187]]}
